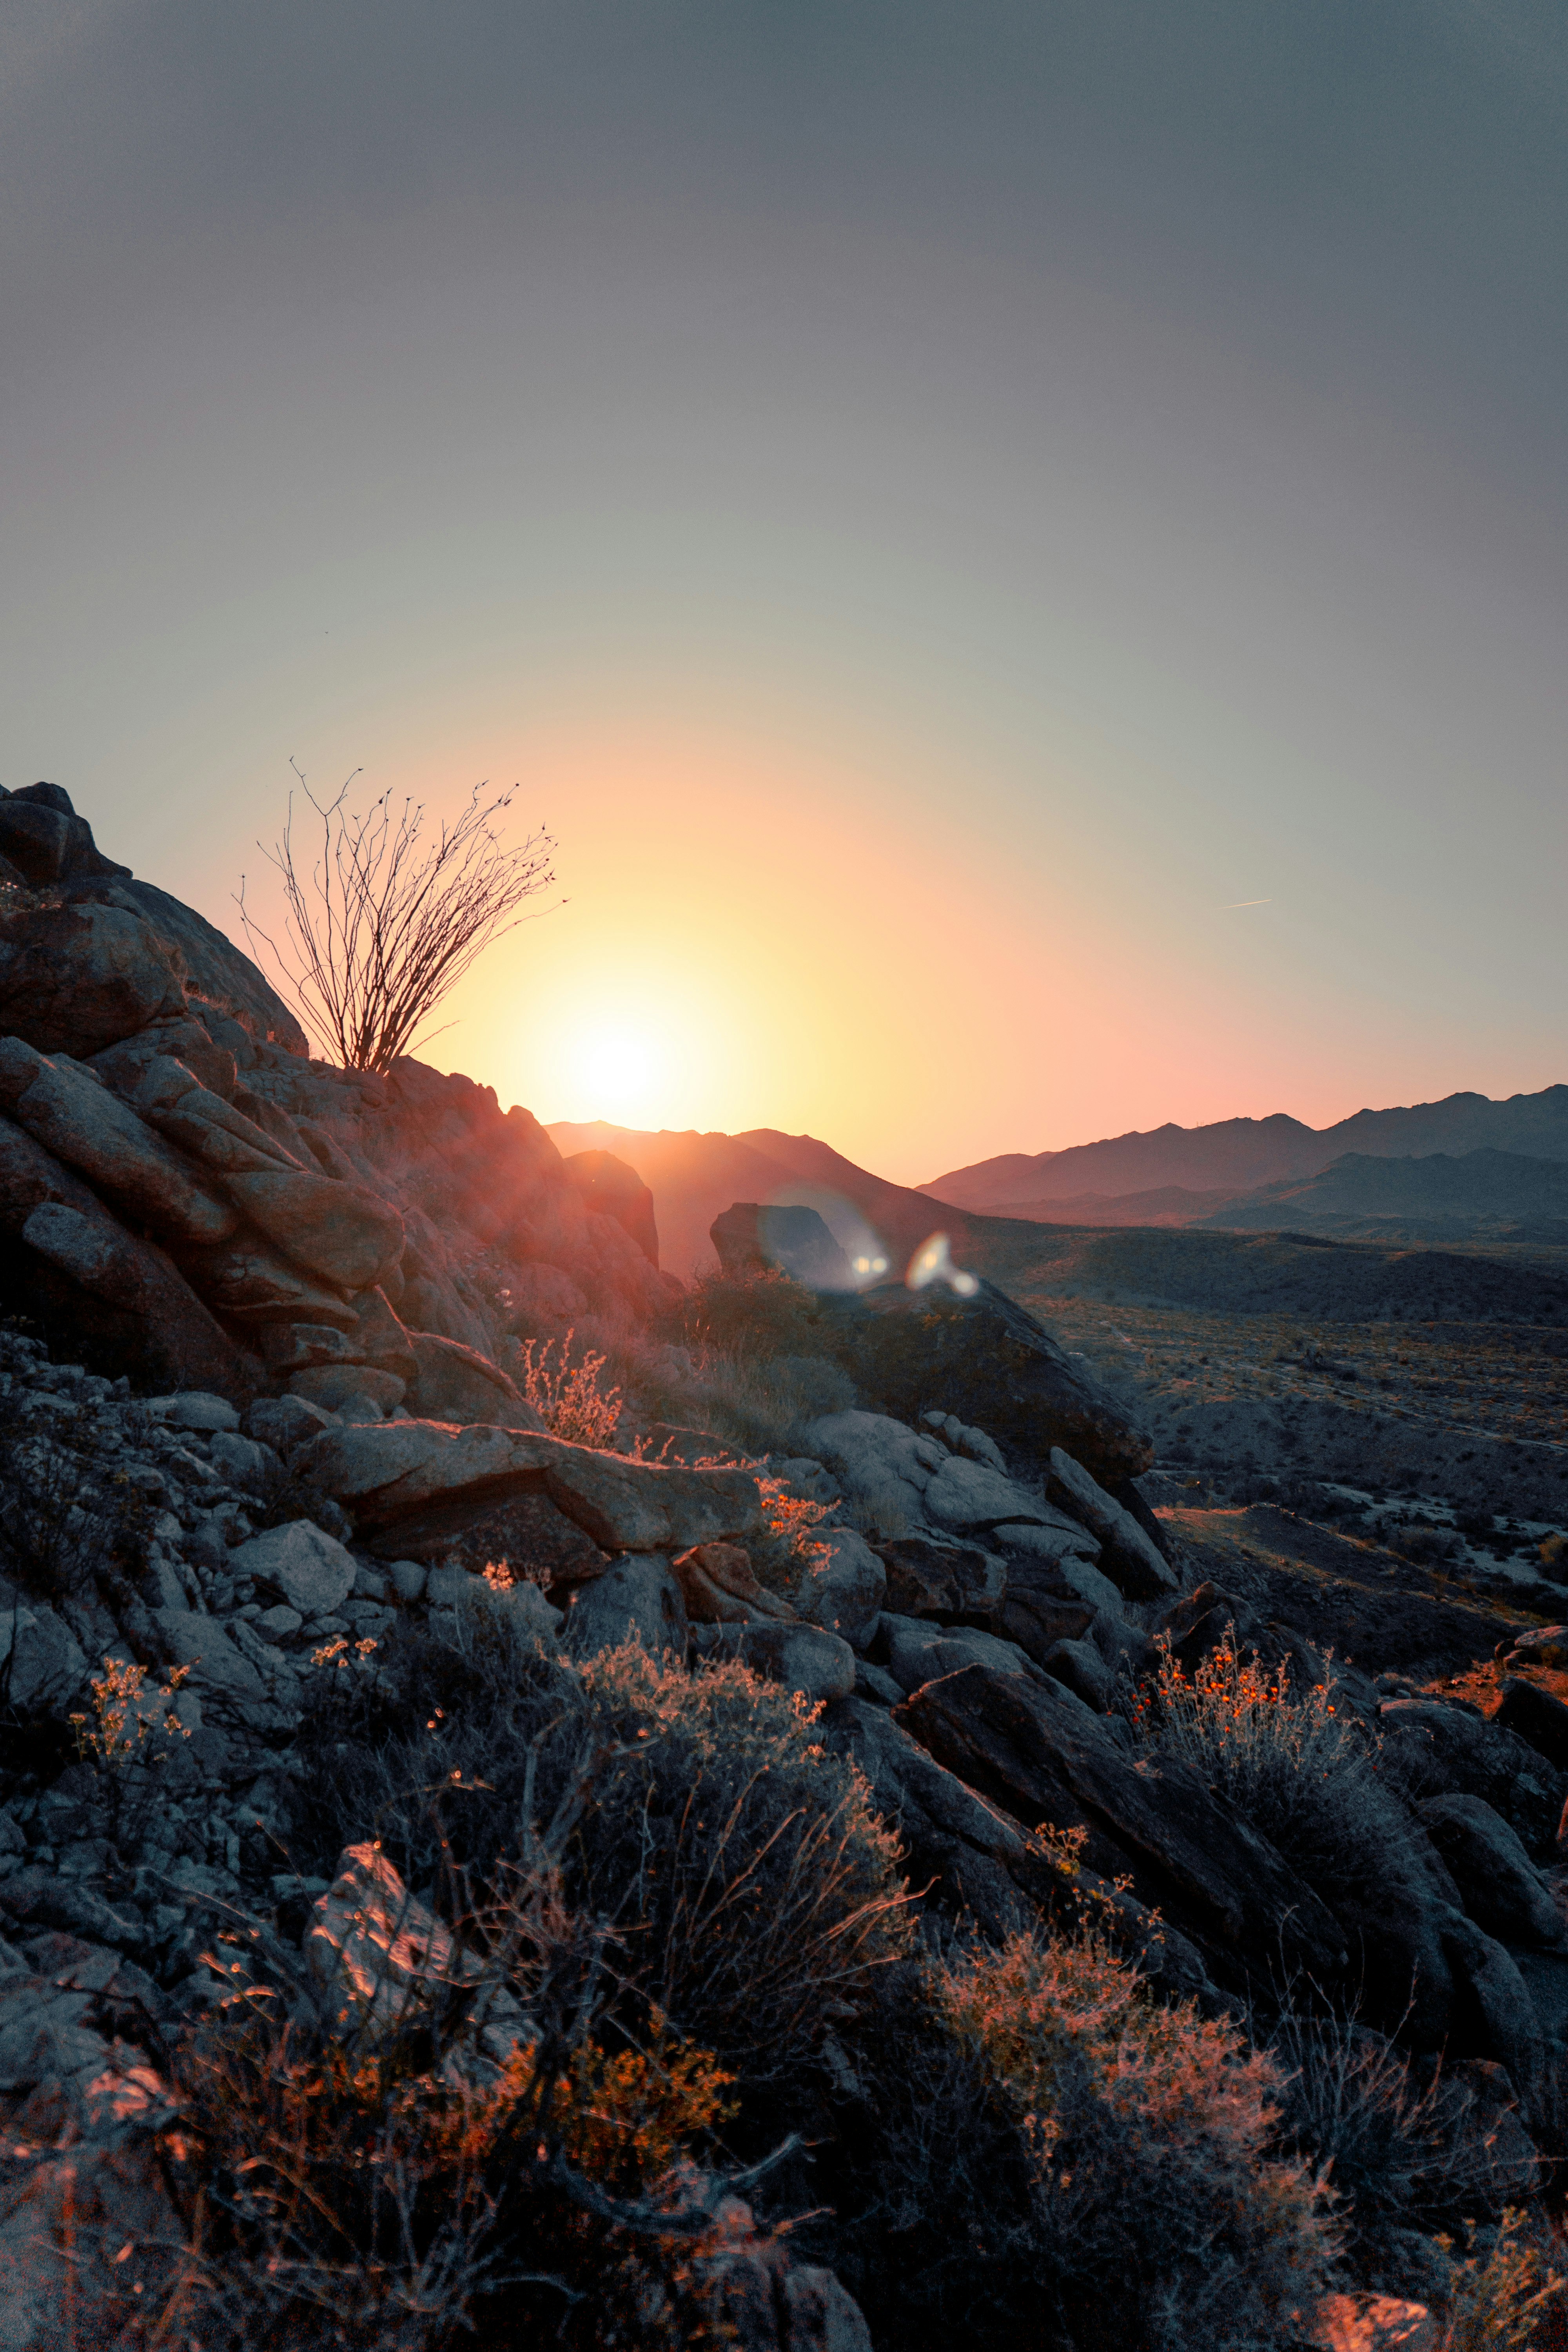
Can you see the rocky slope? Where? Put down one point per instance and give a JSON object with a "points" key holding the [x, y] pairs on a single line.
{"points": [[258, 1440]]}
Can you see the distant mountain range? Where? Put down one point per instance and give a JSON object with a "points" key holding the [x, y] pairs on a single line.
{"points": [[1239, 1156], [1479, 1196], [1249, 1175]]}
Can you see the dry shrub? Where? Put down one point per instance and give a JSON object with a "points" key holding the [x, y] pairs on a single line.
{"points": [[766, 1313], [568, 1397], [754, 1892], [1299, 1769], [414, 2190], [756, 1403], [1403, 2157], [1064, 2162]]}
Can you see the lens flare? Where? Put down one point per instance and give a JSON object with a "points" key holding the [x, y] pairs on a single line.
{"points": [[933, 1262]]}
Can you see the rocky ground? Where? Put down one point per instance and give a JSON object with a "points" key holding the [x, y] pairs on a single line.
{"points": [[285, 1511]]}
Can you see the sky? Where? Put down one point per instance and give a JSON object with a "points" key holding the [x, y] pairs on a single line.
{"points": [[1018, 550]]}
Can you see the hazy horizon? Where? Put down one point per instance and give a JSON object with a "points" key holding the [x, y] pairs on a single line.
{"points": [[1019, 549]]}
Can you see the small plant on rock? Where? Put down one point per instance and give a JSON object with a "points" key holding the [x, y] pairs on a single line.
{"points": [[129, 1722], [568, 1397]]}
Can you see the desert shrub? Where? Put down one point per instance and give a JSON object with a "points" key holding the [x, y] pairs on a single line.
{"points": [[569, 1398], [787, 1543], [1403, 2157], [1066, 2163], [414, 2188], [1300, 1770], [755, 1403], [763, 1314], [752, 1890], [1508, 2298]]}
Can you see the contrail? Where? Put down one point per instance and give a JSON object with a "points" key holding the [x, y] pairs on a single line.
{"points": [[1243, 902]]}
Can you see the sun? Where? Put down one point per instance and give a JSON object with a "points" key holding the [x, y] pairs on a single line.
{"points": [[617, 1072]]}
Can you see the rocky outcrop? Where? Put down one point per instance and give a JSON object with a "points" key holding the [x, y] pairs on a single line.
{"points": [[156, 1096], [410, 1484], [1038, 1751], [988, 1360], [758, 1238]]}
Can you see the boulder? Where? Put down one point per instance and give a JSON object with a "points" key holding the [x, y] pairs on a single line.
{"points": [[306, 1567], [412, 1484], [718, 1588], [1536, 1717], [916, 1652], [192, 1408], [611, 1188], [1052, 1539], [1041, 1608], [1500, 1886], [216, 972], [380, 1960], [962, 1439], [842, 1588], [42, 836], [339, 1388], [342, 1232], [988, 1359], [283, 1423], [971, 1498], [752, 1238], [458, 1384], [201, 1643], [976, 1861], [244, 1461], [1502, 2017], [1080, 1666], [299, 1347], [73, 1114], [42, 1669], [76, 978], [1038, 1750], [545, 1299], [380, 1338], [110, 1297], [250, 1282], [880, 1463], [928, 1577], [122, 1067], [1130, 1558], [636, 1600], [803, 1658]]}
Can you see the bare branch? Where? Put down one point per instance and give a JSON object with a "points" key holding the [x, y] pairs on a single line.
{"points": [[381, 920]]}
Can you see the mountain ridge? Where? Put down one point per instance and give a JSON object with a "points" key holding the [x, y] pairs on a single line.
{"points": [[1241, 1155]]}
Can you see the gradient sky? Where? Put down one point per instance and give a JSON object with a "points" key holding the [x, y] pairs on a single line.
{"points": [[934, 505]]}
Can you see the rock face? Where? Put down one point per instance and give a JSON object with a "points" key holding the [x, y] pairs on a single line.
{"points": [[156, 1096], [988, 1360], [410, 1484], [1038, 1751], [752, 1238], [611, 1188]]}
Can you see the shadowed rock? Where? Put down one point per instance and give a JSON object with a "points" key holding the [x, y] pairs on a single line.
{"points": [[411, 1483], [1038, 1751], [987, 1360]]}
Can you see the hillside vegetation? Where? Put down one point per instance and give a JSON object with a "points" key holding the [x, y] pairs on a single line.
{"points": [[542, 1802]]}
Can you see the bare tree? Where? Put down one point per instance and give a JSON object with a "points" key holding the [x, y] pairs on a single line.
{"points": [[387, 918]]}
